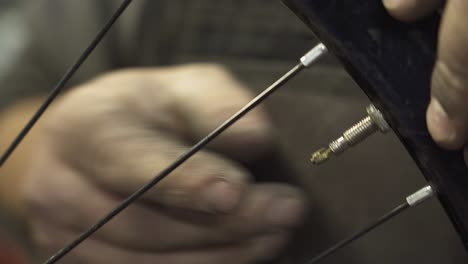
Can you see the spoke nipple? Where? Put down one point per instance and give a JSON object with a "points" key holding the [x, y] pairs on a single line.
{"points": [[313, 55], [420, 196]]}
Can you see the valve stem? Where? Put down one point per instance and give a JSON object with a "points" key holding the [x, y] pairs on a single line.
{"points": [[359, 132]]}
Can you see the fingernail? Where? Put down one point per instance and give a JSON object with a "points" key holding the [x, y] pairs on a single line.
{"points": [[287, 212], [393, 4], [439, 123], [221, 196]]}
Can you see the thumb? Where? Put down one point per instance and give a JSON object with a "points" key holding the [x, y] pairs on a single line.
{"points": [[207, 182], [410, 10], [447, 115]]}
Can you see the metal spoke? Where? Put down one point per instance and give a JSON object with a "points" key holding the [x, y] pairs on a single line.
{"points": [[311, 57], [411, 201], [63, 82]]}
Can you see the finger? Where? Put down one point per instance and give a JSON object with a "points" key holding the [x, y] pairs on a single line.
{"points": [[267, 211], [447, 115], [207, 182], [191, 101], [205, 96], [410, 10], [51, 238], [188, 101]]}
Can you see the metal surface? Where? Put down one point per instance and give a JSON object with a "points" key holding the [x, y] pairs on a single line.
{"points": [[392, 62], [311, 57], [377, 118], [420, 196], [359, 132]]}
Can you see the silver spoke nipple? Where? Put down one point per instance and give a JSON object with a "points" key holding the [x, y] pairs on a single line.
{"points": [[420, 196], [313, 55]]}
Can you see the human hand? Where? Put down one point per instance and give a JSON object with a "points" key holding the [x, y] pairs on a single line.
{"points": [[110, 136], [447, 115]]}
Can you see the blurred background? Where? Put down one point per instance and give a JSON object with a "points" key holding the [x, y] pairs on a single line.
{"points": [[15, 247], [258, 41]]}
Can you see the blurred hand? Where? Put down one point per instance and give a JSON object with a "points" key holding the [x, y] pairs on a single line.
{"points": [[447, 115], [110, 136]]}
